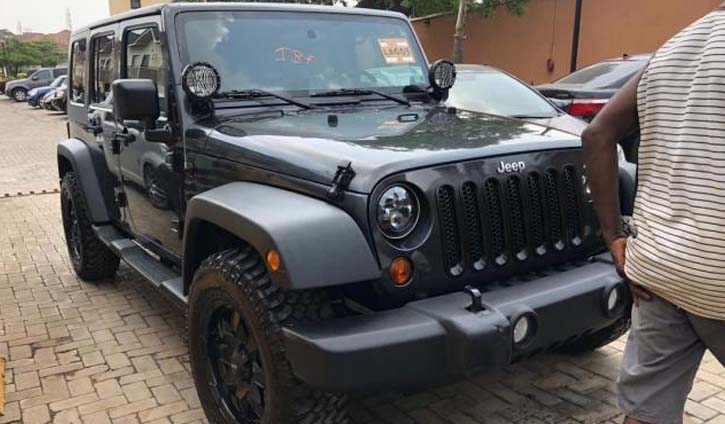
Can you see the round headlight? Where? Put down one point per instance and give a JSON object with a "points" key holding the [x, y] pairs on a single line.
{"points": [[398, 212]]}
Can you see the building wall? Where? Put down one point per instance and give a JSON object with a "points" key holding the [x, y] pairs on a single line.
{"points": [[523, 45], [119, 6]]}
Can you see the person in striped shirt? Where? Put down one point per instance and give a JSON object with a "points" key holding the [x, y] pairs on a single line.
{"points": [[674, 258]]}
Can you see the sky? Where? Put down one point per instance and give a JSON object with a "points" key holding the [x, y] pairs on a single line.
{"points": [[49, 15]]}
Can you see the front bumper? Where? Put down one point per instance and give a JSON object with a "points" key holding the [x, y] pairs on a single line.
{"points": [[437, 339]]}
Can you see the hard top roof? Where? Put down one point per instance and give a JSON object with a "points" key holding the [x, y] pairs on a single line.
{"points": [[279, 7]]}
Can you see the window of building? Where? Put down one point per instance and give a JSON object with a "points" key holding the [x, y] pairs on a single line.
{"points": [[135, 4], [104, 69], [145, 58], [78, 72]]}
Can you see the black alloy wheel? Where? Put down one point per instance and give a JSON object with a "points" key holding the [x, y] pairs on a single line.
{"points": [[91, 259], [237, 370], [238, 355]]}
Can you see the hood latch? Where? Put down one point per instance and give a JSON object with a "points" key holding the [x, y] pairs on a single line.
{"points": [[341, 181]]}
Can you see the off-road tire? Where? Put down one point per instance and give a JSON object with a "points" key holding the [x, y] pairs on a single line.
{"points": [[239, 276], [16, 93], [94, 261], [599, 338]]}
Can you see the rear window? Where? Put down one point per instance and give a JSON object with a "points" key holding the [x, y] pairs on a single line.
{"points": [[604, 74], [495, 92]]}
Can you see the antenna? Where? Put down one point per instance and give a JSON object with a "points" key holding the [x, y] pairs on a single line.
{"points": [[19, 27]]}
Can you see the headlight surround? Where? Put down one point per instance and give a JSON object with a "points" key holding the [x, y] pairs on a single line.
{"points": [[398, 211]]}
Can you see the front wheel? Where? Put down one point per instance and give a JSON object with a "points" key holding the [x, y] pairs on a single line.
{"points": [[238, 355], [19, 94]]}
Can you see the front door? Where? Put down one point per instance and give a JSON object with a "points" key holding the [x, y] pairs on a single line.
{"points": [[149, 182]]}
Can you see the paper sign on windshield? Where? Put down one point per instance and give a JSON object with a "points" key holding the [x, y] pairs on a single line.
{"points": [[396, 51]]}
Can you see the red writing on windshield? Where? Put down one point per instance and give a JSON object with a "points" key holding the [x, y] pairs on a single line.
{"points": [[290, 55]]}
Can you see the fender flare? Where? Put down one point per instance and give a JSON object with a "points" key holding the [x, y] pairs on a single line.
{"points": [[78, 154], [319, 244]]}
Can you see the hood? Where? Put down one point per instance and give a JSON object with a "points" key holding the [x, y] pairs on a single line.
{"points": [[378, 142]]}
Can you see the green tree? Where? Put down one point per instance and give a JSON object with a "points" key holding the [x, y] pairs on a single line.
{"points": [[462, 8], [22, 54]]}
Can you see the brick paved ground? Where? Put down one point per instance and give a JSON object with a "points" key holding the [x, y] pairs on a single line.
{"points": [[113, 352]]}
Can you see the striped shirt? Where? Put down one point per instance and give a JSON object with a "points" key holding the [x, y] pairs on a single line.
{"points": [[678, 252]]}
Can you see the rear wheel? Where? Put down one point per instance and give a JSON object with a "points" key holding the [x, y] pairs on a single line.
{"points": [[91, 259], [19, 94], [238, 355]]}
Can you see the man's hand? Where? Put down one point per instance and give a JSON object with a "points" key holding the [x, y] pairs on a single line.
{"points": [[618, 249]]}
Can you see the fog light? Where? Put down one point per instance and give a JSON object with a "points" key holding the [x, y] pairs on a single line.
{"points": [[613, 299], [522, 328], [400, 271]]}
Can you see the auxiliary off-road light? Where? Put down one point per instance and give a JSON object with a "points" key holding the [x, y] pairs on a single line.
{"points": [[273, 261], [522, 329], [400, 271], [613, 299]]}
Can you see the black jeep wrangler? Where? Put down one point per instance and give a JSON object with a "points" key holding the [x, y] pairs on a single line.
{"points": [[291, 176]]}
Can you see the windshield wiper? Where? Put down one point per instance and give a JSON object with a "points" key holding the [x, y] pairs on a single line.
{"points": [[360, 92], [257, 93]]}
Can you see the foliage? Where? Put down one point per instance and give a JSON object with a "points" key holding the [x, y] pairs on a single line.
{"points": [[483, 7], [22, 55], [394, 5]]}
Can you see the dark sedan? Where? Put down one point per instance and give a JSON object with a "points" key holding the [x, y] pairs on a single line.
{"points": [[585, 92]]}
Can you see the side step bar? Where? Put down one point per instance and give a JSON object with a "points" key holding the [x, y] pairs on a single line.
{"points": [[139, 259]]}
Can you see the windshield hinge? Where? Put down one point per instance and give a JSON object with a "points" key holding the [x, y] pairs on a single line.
{"points": [[341, 181]]}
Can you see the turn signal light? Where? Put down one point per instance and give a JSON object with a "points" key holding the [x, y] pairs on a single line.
{"points": [[400, 271], [273, 261]]}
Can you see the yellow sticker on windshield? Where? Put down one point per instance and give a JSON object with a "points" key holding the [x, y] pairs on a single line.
{"points": [[396, 51]]}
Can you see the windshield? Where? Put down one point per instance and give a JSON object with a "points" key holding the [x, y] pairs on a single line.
{"points": [[604, 75], [491, 91], [303, 52], [58, 81]]}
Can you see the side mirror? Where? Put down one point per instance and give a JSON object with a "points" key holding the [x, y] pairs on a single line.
{"points": [[442, 76], [136, 100]]}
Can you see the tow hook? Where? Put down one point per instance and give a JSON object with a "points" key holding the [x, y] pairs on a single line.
{"points": [[476, 305]]}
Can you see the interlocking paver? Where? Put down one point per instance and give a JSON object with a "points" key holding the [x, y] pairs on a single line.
{"points": [[114, 352]]}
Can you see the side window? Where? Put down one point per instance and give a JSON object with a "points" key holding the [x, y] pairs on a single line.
{"points": [[58, 72], [104, 68], [43, 74], [78, 72], [145, 58]]}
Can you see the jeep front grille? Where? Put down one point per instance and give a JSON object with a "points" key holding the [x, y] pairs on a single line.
{"points": [[510, 218]]}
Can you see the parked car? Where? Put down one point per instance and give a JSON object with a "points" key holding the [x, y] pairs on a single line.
{"points": [[45, 102], [585, 92], [18, 89], [59, 98], [486, 89], [36, 95], [329, 224]]}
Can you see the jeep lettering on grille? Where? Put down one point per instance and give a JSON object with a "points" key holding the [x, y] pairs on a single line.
{"points": [[506, 167]]}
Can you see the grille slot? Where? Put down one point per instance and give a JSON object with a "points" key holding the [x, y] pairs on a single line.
{"points": [[553, 209], [473, 231], [573, 221], [522, 217], [492, 194], [449, 229], [516, 212], [536, 213]]}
